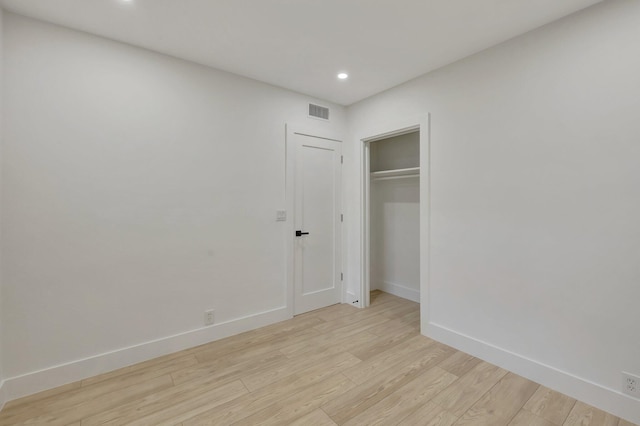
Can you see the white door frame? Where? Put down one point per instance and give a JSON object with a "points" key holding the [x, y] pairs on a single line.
{"points": [[421, 124], [291, 130]]}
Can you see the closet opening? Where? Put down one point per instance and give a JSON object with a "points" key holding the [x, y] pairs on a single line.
{"points": [[395, 212], [394, 215]]}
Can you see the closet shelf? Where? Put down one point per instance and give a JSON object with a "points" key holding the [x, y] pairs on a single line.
{"points": [[396, 174]]}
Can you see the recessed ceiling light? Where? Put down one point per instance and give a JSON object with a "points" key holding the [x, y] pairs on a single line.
{"points": [[343, 76]]}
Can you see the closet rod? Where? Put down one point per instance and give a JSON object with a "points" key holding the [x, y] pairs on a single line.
{"points": [[395, 177]]}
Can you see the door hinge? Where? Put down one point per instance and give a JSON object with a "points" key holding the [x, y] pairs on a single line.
{"points": [[341, 217], [341, 276], [341, 159]]}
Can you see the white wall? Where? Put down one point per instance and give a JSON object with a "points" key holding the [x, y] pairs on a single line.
{"points": [[395, 237], [2, 393], [535, 200], [139, 191]]}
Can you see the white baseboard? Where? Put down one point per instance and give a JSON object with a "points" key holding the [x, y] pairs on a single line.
{"points": [[37, 381], [351, 299], [599, 396], [400, 291], [3, 397]]}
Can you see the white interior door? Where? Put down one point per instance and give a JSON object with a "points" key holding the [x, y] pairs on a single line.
{"points": [[317, 221]]}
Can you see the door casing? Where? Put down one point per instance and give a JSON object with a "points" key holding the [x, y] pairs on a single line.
{"points": [[422, 124]]}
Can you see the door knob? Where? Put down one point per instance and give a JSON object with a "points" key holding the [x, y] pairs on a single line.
{"points": [[300, 233]]}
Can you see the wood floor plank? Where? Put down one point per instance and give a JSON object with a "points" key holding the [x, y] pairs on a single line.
{"points": [[247, 405], [585, 415], [175, 413], [333, 366], [498, 406], [464, 392], [301, 404], [351, 327], [394, 326], [40, 397], [527, 418], [625, 423], [381, 344], [262, 378], [65, 413], [412, 317], [258, 350], [255, 352], [315, 418], [429, 414], [418, 347], [400, 311], [395, 407], [136, 408], [345, 320], [263, 343], [142, 374], [550, 405], [325, 342], [148, 369], [459, 363], [228, 370], [330, 312], [379, 387], [271, 335], [383, 303]]}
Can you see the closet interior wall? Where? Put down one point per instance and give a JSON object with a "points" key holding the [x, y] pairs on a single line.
{"points": [[395, 216]]}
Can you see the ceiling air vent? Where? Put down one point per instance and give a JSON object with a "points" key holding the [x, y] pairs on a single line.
{"points": [[318, 111]]}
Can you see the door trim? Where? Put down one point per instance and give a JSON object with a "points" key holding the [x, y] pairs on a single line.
{"points": [[422, 124], [290, 131]]}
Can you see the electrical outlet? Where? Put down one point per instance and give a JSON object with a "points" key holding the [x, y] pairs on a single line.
{"points": [[208, 317], [631, 384]]}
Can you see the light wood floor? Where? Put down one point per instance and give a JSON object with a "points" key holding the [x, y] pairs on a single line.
{"points": [[337, 365]]}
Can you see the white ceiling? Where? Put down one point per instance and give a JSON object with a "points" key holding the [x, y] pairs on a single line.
{"points": [[302, 44]]}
